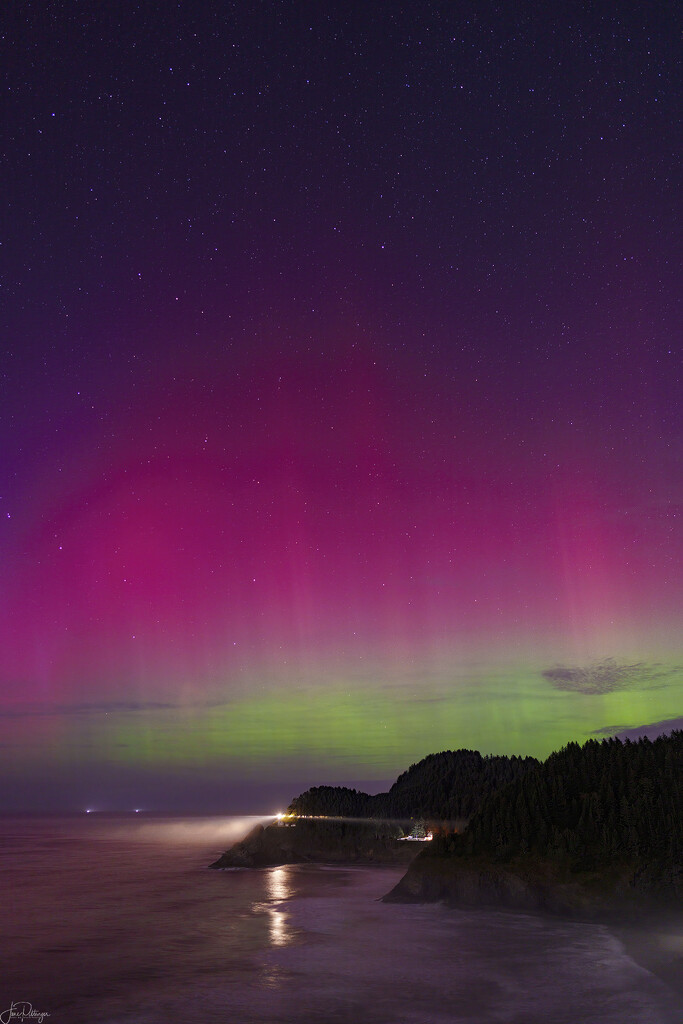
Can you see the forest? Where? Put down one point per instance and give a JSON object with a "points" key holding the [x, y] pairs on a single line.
{"points": [[447, 786], [586, 806]]}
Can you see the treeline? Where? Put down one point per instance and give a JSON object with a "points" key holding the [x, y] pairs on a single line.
{"points": [[331, 801], [447, 786], [588, 806]]}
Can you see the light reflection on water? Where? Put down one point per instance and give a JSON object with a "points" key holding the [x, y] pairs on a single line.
{"points": [[278, 883], [278, 889]]}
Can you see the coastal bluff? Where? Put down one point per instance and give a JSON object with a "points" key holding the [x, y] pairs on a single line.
{"points": [[531, 884], [593, 831], [310, 841]]}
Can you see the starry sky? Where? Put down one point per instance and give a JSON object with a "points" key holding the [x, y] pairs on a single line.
{"points": [[339, 391]]}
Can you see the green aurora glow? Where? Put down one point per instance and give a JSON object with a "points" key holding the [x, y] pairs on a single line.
{"points": [[348, 729]]}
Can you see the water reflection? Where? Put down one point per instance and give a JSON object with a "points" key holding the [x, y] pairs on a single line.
{"points": [[278, 884], [278, 888]]}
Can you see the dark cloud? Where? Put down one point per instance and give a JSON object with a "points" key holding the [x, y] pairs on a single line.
{"points": [[605, 676], [102, 707], [97, 707], [651, 731]]}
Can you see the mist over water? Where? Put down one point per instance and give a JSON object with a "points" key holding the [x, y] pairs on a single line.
{"points": [[186, 832], [119, 920]]}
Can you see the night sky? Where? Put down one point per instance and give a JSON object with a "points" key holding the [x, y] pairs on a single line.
{"points": [[339, 391]]}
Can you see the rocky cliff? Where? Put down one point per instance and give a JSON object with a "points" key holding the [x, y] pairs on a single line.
{"points": [[536, 885], [319, 841]]}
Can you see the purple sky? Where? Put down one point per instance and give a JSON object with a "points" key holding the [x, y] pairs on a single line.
{"points": [[340, 392]]}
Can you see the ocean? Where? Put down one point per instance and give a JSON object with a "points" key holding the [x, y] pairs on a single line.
{"points": [[118, 919]]}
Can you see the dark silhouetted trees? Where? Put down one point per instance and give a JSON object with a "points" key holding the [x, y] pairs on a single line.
{"points": [[445, 787], [588, 805]]}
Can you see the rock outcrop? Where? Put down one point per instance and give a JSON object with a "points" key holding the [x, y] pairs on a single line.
{"points": [[319, 841], [535, 885]]}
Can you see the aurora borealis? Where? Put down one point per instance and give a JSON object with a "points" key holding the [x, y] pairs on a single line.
{"points": [[340, 394]]}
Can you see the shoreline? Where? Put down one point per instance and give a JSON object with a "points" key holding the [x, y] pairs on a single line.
{"points": [[653, 941], [656, 946], [652, 938]]}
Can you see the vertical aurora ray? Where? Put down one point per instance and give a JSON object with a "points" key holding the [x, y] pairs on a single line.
{"points": [[335, 602]]}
